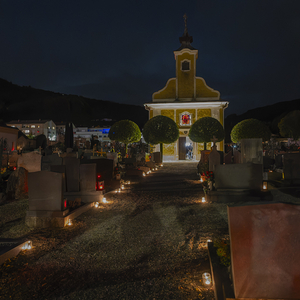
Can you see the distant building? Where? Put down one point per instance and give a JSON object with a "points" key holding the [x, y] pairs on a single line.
{"points": [[11, 136], [82, 135], [36, 127]]}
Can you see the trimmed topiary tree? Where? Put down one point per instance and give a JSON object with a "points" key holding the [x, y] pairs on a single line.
{"points": [[125, 131], [160, 130], [250, 129], [205, 129], [289, 126]]}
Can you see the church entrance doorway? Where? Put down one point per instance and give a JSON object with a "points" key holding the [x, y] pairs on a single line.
{"points": [[181, 148]]}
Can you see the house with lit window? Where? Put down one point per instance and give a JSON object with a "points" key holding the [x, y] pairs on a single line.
{"points": [[82, 135], [185, 99], [36, 127], [10, 135]]}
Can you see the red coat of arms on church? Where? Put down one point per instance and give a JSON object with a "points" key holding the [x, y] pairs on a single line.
{"points": [[186, 119]]}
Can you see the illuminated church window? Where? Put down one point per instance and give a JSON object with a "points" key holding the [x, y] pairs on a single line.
{"points": [[186, 119]]}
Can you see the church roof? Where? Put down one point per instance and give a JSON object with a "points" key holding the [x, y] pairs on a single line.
{"points": [[185, 39]]}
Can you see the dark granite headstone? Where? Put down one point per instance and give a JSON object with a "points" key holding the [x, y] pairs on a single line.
{"points": [[45, 191], [156, 157], [239, 176], [213, 159], [252, 151], [104, 167], [265, 256], [87, 177], [228, 158], [72, 173], [49, 160], [236, 157], [291, 167], [60, 169]]}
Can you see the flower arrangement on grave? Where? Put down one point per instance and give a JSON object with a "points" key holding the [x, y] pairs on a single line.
{"points": [[223, 251], [208, 181]]}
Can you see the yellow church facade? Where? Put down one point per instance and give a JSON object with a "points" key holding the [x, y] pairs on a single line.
{"points": [[185, 99]]}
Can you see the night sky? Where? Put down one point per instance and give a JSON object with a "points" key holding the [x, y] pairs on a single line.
{"points": [[122, 51]]}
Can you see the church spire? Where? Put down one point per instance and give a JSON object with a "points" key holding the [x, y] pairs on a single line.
{"points": [[186, 39]]}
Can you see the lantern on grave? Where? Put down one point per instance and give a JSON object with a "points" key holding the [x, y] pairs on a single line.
{"points": [[265, 185], [203, 200], [69, 222], [206, 279], [96, 204]]}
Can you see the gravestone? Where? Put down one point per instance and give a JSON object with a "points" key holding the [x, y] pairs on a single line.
{"points": [[45, 191], [252, 151], [291, 167], [104, 167], [72, 173], [238, 176], [156, 157], [264, 242], [213, 158], [13, 159], [17, 184], [49, 160], [237, 157], [113, 156], [279, 161], [228, 158], [87, 177], [60, 169], [30, 161]]}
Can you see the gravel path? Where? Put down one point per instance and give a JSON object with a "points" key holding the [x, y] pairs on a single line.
{"points": [[148, 242]]}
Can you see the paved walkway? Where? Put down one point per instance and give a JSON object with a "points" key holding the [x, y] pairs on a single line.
{"points": [[148, 242]]}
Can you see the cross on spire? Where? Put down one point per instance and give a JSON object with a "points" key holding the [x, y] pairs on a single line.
{"points": [[185, 39]]}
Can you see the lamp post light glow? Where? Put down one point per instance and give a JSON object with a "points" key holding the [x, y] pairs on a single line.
{"points": [[206, 278]]}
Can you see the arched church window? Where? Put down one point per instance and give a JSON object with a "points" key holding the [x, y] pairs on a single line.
{"points": [[185, 66]]}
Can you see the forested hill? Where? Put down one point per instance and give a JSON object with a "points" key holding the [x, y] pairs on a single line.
{"points": [[270, 114], [27, 103], [20, 102]]}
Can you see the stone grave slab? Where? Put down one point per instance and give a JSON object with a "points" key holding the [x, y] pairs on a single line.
{"points": [[156, 157], [72, 173], [228, 158], [265, 243], [104, 167], [60, 169], [239, 176], [113, 156], [87, 177], [30, 161], [252, 151], [237, 157], [214, 159], [49, 160], [45, 191], [291, 167]]}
